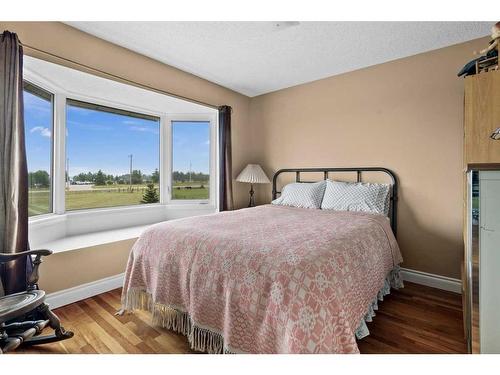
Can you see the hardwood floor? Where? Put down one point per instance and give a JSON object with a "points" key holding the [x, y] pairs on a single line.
{"points": [[416, 319]]}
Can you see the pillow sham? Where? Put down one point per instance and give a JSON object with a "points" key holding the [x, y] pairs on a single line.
{"points": [[356, 196], [302, 194]]}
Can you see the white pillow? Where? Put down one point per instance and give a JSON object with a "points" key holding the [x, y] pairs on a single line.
{"points": [[302, 194], [356, 196]]}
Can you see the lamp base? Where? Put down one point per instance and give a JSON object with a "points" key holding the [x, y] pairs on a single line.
{"points": [[251, 202]]}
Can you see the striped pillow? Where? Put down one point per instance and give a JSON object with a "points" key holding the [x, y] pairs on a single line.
{"points": [[302, 194], [356, 196]]}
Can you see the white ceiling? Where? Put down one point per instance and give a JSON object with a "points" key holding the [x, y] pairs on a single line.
{"points": [[254, 58]]}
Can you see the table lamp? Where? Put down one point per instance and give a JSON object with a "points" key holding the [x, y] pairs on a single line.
{"points": [[252, 174]]}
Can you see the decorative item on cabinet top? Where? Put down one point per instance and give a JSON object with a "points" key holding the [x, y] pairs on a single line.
{"points": [[495, 135], [489, 60]]}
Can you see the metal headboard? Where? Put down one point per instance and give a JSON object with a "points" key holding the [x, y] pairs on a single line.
{"points": [[393, 210]]}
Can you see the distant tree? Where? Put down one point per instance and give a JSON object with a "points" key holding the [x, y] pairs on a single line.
{"points": [[136, 177], [199, 177], [100, 178], [109, 182], [84, 177], [150, 195], [81, 177], [39, 179], [155, 177], [89, 176], [187, 176], [177, 176]]}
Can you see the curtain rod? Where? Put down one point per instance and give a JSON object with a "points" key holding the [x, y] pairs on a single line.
{"points": [[118, 78]]}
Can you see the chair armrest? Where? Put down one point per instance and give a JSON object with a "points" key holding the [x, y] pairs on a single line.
{"points": [[4, 258], [33, 277]]}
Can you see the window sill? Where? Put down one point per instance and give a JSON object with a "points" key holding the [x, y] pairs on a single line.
{"points": [[93, 239], [86, 228]]}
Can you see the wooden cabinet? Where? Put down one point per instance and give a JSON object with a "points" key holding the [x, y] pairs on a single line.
{"points": [[482, 118]]}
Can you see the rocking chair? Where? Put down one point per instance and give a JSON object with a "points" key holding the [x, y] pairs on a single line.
{"points": [[24, 315]]}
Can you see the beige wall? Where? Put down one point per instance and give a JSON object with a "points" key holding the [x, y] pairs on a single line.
{"points": [[405, 115], [72, 268]]}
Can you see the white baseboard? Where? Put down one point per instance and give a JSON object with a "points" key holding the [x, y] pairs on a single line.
{"points": [[432, 280], [80, 292]]}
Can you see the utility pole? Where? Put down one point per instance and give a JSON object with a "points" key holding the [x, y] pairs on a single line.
{"points": [[190, 172], [130, 179]]}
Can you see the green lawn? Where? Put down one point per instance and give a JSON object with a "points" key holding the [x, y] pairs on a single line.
{"points": [[475, 202], [77, 200], [109, 196], [197, 193], [38, 202]]}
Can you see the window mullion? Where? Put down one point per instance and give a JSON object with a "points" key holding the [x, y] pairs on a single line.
{"points": [[167, 160], [165, 147], [59, 153]]}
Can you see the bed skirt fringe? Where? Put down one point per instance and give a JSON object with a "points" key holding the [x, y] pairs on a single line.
{"points": [[207, 340], [200, 339], [393, 280]]}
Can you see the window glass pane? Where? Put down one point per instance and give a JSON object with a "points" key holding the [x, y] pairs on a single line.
{"points": [[112, 157], [38, 137], [190, 159]]}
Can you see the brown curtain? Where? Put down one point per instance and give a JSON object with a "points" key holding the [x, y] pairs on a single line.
{"points": [[225, 163], [13, 169]]}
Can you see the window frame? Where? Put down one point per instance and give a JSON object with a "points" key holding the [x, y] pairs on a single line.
{"points": [[52, 129], [120, 107], [98, 219], [213, 175]]}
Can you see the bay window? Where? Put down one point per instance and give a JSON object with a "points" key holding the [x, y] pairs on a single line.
{"points": [[104, 155]]}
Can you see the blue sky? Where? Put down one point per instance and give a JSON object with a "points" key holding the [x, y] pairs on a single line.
{"points": [[191, 144], [99, 140], [38, 131]]}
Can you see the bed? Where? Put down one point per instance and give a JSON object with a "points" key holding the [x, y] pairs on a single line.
{"points": [[268, 279]]}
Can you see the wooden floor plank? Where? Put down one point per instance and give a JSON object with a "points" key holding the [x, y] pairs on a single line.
{"points": [[415, 319]]}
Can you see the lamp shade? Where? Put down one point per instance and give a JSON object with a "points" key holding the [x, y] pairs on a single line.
{"points": [[253, 174]]}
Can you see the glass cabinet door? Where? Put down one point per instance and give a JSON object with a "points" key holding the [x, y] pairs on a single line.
{"points": [[483, 261], [472, 261]]}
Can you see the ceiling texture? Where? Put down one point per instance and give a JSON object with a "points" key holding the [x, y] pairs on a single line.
{"points": [[254, 58]]}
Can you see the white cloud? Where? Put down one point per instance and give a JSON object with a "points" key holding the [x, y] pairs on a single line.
{"points": [[44, 132], [144, 129], [129, 122]]}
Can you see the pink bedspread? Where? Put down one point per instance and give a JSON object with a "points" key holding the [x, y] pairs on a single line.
{"points": [[269, 279]]}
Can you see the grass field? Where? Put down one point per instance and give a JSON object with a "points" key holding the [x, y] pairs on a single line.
{"points": [[475, 202], [38, 202], [108, 196]]}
